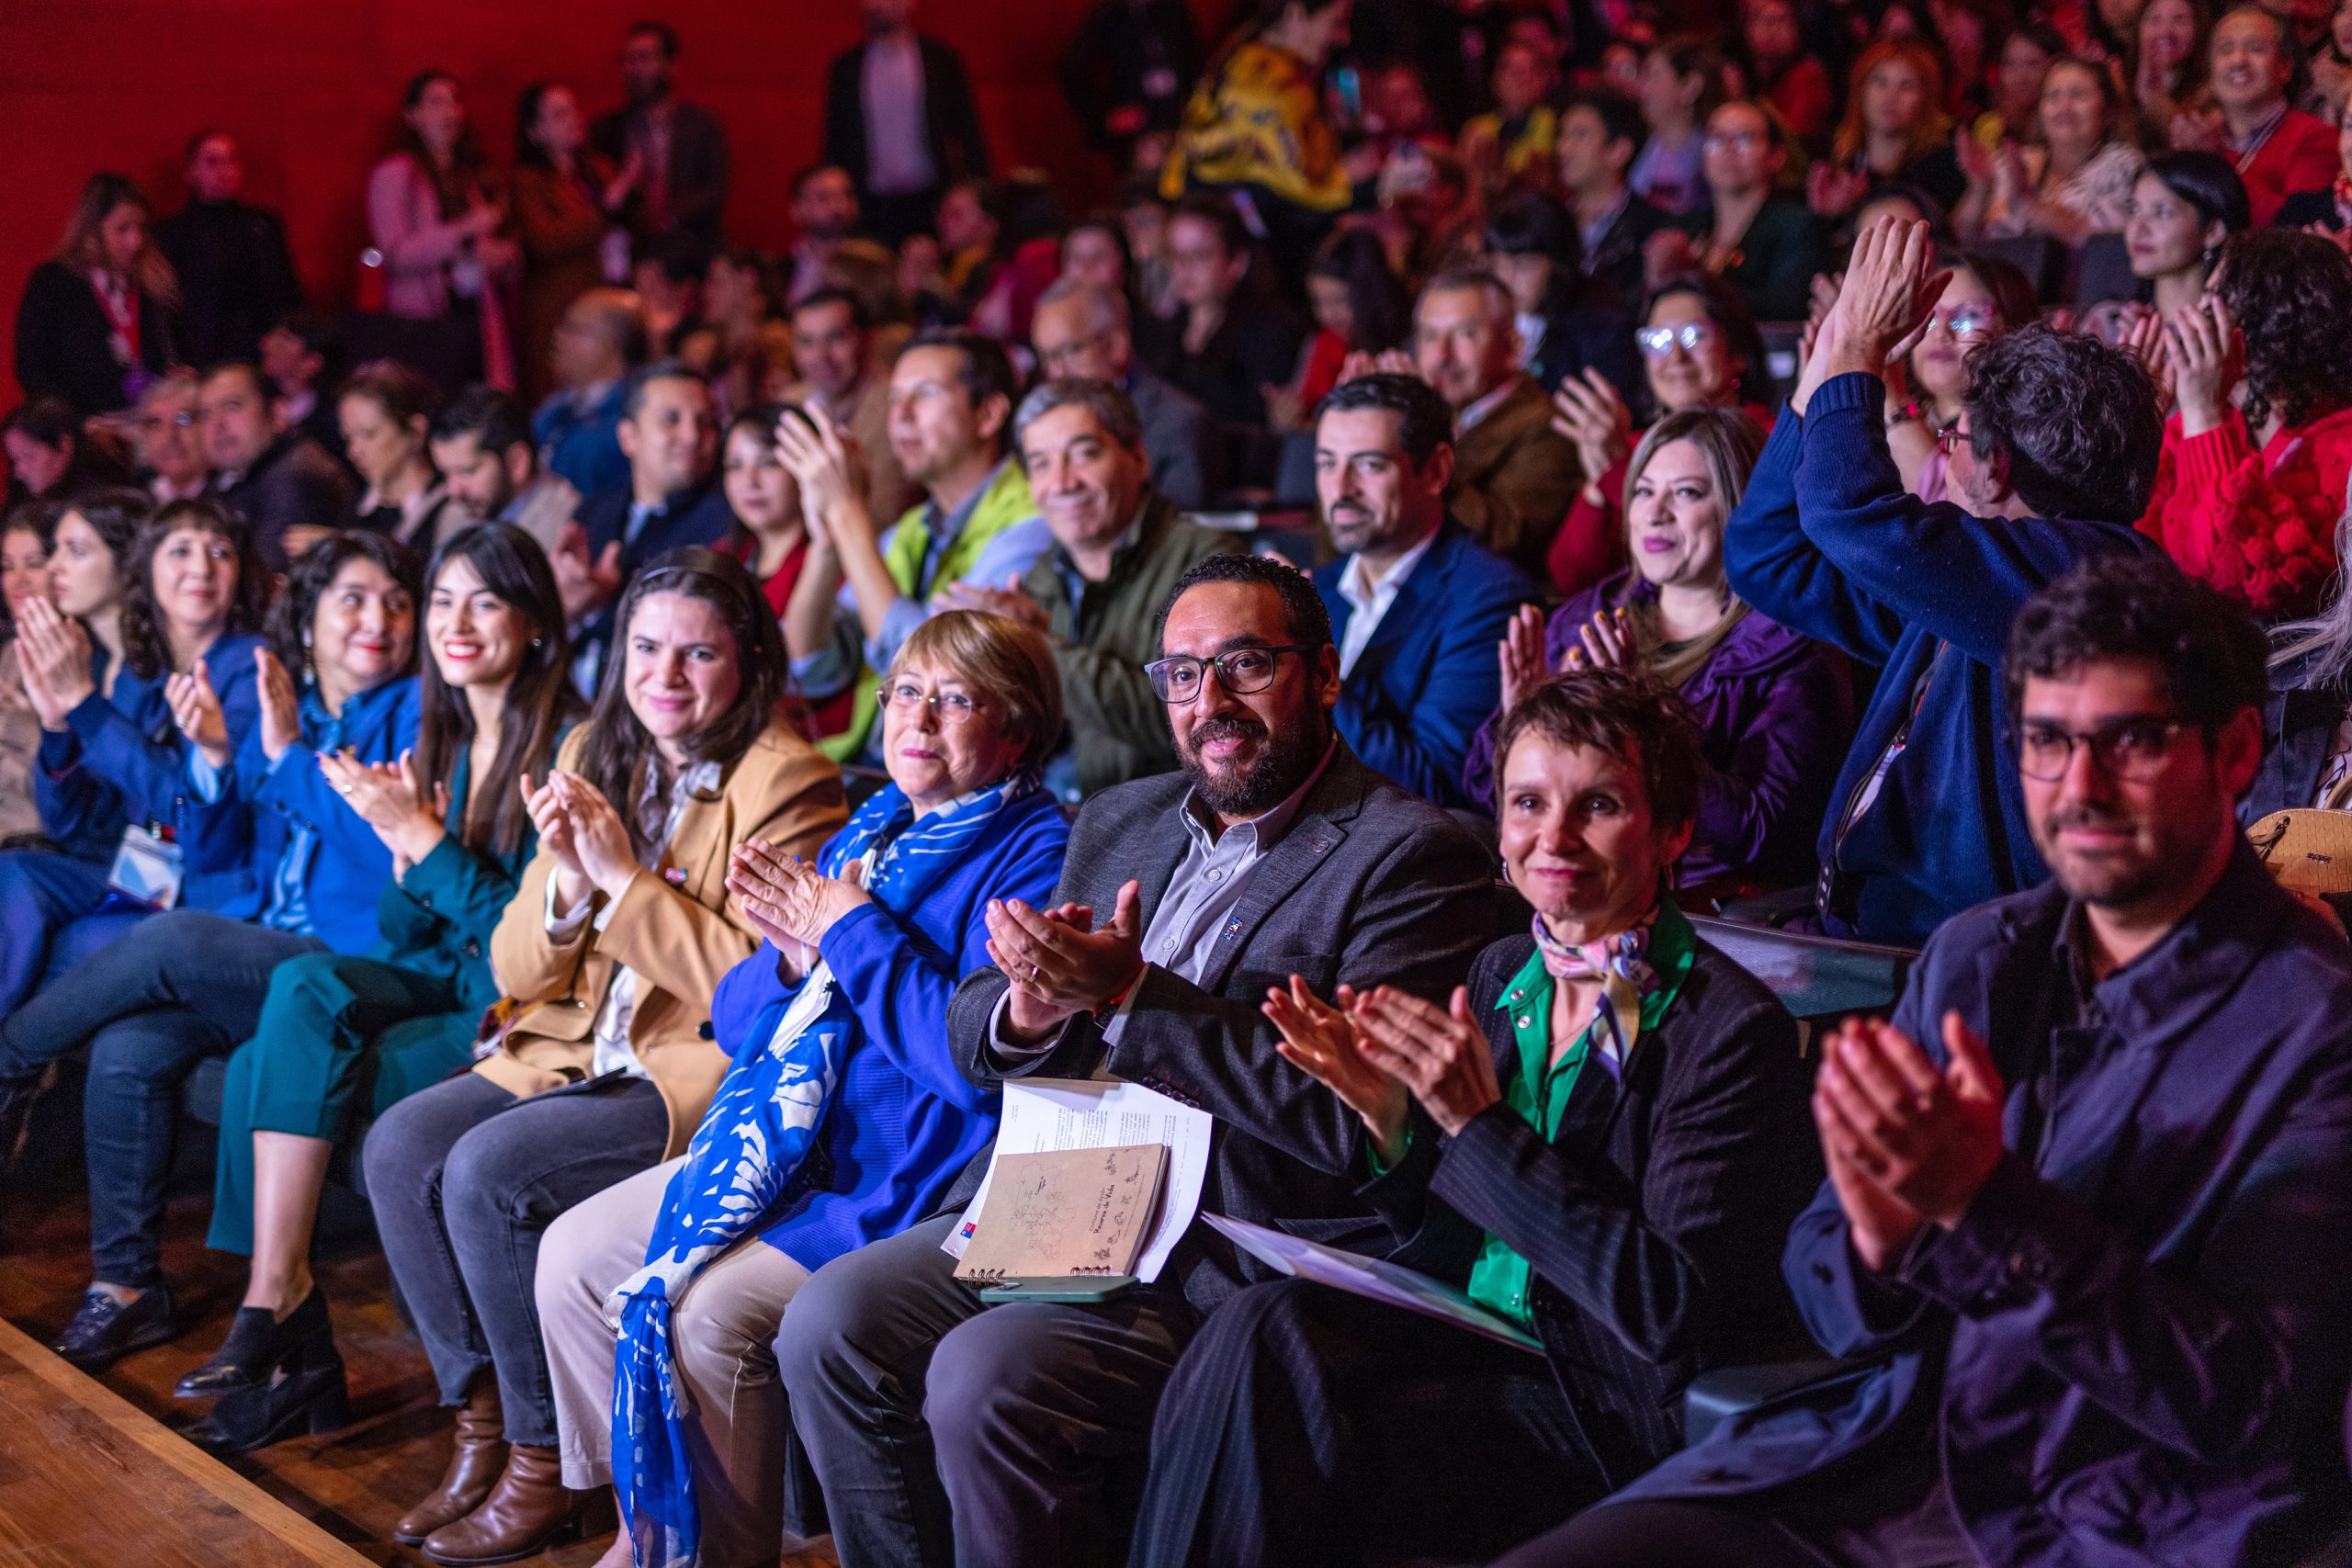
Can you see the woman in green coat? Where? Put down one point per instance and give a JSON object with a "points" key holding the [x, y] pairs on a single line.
{"points": [[340, 1032]]}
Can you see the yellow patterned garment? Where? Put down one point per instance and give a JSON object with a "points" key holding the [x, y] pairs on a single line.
{"points": [[1259, 122]]}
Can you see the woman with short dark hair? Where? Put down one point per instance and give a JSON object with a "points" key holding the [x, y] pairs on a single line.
{"points": [[608, 954], [1613, 1113], [2251, 476]]}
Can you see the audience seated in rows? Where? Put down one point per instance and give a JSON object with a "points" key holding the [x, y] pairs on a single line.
{"points": [[1081, 330]]}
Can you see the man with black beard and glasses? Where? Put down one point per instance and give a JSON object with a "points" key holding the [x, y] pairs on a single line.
{"points": [[2089, 1192], [944, 1431]]}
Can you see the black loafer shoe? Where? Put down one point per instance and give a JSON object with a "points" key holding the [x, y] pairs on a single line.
{"points": [[107, 1329]]}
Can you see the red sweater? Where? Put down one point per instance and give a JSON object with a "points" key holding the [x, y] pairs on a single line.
{"points": [[2301, 155], [2260, 527]]}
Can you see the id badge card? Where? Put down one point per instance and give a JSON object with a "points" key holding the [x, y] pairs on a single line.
{"points": [[147, 867]]}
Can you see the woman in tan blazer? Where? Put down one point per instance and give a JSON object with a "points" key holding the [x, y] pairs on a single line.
{"points": [[607, 957]]}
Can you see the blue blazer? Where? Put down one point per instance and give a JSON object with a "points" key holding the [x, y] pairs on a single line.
{"points": [[1430, 675], [904, 1122], [1827, 542], [246, 830], [582, 447], [121, 760], [2137, 1339]]}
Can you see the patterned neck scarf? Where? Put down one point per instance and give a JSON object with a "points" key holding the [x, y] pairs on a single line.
{"points": [[751, 1144], [1620, 962]]}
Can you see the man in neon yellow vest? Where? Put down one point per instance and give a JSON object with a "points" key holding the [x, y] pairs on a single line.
{"points": [[864, 591]]}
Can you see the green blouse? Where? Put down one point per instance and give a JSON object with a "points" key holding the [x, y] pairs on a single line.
{"points": [[1539, 1091]]}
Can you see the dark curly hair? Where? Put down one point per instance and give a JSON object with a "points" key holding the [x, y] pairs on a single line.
{"points": [[2291, 293], [1629, 717], [2076, 420], [1310, 622], [146, 648], [291, 618], [2214, 659]]}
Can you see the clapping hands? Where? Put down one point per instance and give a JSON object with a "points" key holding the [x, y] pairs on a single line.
{"points": [[53, 661], [1437, 1055], [590, 842], [1905, 1144], [406, 812], [281, 709], [1058, 963], [788, 901]]}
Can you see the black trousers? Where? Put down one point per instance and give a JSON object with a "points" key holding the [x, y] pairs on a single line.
{"points": [[1666, 1534], [1306, 1425]]}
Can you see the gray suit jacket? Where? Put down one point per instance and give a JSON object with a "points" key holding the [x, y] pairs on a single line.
{"points": [[1180, 437], [1370, 886]]}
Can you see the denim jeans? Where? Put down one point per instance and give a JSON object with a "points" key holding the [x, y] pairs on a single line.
{"points": [[44, 897], [184, 986], [465, 1178]]}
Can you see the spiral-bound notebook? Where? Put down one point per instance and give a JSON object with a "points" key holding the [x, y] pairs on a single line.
{"points": [[1065, 1212]]}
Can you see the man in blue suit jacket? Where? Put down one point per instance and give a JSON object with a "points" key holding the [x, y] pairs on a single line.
{"points": [[669, 431], [2098, 1315], [1418, 606]]}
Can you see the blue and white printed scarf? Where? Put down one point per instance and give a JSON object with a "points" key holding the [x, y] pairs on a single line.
{"points": [[760, 1126]]}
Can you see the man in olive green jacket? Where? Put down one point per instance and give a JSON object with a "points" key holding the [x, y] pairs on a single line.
{"points": [[1119, 546]]}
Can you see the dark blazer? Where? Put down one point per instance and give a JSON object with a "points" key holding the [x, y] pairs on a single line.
{"points": [[1187, 455], [1429, 676], [294, 480], [1369, 886], [697, 168], [62, 341], [1617, 259], [2299, 726], [1256, 347], [1654, 1224], [2138, 1335], [236, 277], [1779, 254], [698, 515], [951, 124]]}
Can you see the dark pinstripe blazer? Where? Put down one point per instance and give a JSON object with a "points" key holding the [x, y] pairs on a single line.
{"points": [[1370, 885], [1656, 1251]]}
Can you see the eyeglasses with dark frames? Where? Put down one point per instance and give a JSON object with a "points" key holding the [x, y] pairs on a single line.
{"points": [[1177, 679], [2132, 750]]}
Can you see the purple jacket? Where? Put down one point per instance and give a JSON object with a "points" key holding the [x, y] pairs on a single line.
{"points": [[1774, 711]]}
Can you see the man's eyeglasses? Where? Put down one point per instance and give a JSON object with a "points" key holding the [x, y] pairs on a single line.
{"points": [[1659, 342], [183, 418], [2132, 750], [1178, 679], [1961, 321], [953, 707], [1948, 439]]}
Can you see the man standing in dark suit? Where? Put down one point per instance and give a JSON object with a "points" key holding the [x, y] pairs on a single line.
{"points": [[898, 117], [1275, 852], [1417, 606], [1600, 133], [679, 150], [2090, 1191], [668, 432], [236, 275]]}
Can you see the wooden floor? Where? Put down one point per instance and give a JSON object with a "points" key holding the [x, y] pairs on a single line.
{"points": [[351, 1484]]}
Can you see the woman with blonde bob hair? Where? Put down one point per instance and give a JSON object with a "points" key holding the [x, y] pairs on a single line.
{"points": [[845, 1003], [1768, 701]]}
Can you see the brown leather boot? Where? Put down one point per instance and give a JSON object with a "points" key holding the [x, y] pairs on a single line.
{"points": [[529, 1510], [474, 1467]]}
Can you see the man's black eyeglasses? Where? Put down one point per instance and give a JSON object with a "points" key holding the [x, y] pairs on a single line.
{"points": [[2133, 749], [1178, 679]]}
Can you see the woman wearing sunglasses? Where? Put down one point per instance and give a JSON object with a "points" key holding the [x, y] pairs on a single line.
{"points": [[1924, 390], [1700, 350]]}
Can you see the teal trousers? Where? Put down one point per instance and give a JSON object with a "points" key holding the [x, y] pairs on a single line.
{"points": [[336, 1032]]}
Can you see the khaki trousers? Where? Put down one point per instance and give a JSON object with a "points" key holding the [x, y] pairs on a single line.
{"points": [[722, 1334]]}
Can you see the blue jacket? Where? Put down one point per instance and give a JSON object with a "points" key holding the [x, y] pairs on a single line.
{"points": [[120, 760], [583, 445], [2137, 1339], [903, 1121], [1430, 675], [1827, 541], [248, 827]]}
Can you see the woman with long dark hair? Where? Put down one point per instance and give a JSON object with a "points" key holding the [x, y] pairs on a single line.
{"points": [[24, 574], [1360, 306], [608, 953], [434, 215], [386, 412], [568, 200], [332, 689], [187, 592], [2251, 480], [2184, 210], [494, 702], [95, 325]]}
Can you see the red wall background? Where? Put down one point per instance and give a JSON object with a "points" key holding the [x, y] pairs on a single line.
{"points": [[310, 89]]}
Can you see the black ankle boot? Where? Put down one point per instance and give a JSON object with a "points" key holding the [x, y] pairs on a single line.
{"points": [[308, 1393], [258, 1344]]}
